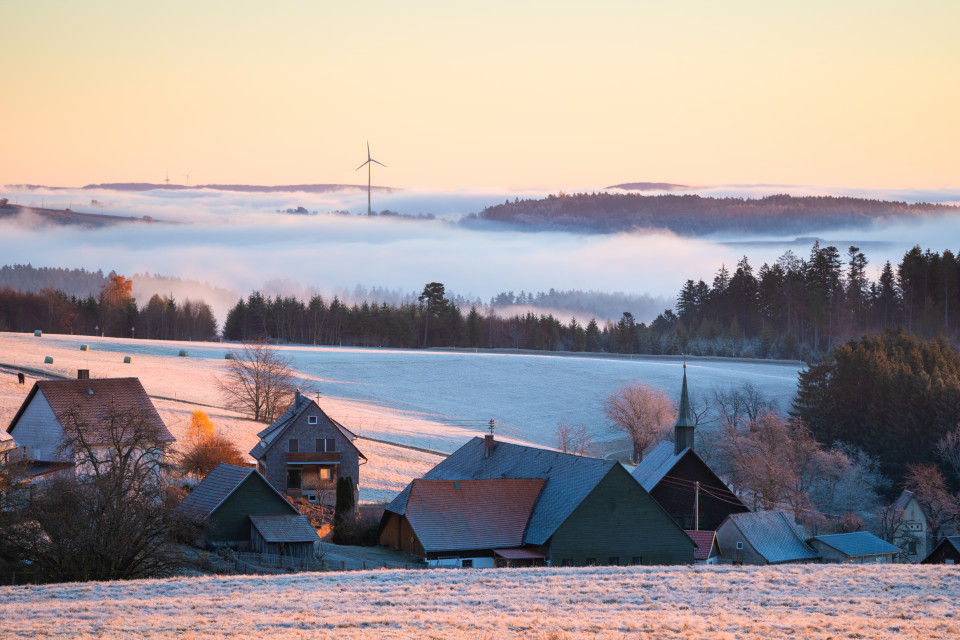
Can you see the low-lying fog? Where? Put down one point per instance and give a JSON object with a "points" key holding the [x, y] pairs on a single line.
{"points": [[239, 241]]}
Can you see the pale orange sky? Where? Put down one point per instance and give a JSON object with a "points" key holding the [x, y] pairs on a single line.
{"points": [[558, 95]]}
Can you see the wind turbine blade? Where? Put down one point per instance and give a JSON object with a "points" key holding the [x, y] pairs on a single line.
{"points": [[363, 165], [377, 161], [368, 150]]}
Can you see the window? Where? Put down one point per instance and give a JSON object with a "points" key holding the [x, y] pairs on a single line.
{"points": [[312, 420], [331, 444], [293, 478], [320, 446], [294, 445], [739, 545], [466, 563], [325, 473]]}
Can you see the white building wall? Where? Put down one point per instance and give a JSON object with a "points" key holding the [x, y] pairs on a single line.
{"points": [[38, 432]]}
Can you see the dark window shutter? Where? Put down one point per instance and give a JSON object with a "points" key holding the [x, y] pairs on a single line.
{"points": [[320, 442], [294, 445], [331, 444]]}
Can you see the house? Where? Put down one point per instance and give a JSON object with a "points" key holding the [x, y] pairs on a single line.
{"points": [[708, 549], [912, 530], [681, 482], [765, 537], [587, 511], [54, 409], [468, 523], [946, 552], [305, 452], [287, 535], [223, 503], [8, 447], [856, 548]]}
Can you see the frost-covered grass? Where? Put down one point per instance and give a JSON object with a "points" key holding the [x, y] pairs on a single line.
{"points": [[426, 398], [813, 601]]}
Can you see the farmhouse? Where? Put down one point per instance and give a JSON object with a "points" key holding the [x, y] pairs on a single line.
{"points": [[102, 412], [681, 482], [305, 452], [224, 502], [765, 537], [913, 522], [947, 552], [586, 511], [857, 547]]}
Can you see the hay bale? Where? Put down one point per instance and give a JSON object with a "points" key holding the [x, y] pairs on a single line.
{"points": [[127, 359], [48, 360]]}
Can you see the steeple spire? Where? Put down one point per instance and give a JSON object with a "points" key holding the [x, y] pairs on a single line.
{"points": [[684, 428]]}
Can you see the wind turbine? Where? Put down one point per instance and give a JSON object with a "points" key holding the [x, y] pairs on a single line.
{"points": [[369, 164]]}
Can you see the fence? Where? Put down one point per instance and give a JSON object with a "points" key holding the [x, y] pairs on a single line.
{"points": [[271, 564]]}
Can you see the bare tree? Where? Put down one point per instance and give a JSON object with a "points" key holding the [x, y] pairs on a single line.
{"points": [[573, 439], [949, 450], [258, 382], [642, 412], [742, 406], [929, 487]]}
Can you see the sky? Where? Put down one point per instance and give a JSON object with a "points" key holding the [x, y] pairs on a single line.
{"points": [[501, 95]]}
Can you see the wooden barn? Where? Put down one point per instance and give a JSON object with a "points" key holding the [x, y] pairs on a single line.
{"points": [[681, 482], [288, 535], [587, 511], [947, 552], [224, 501], [857, 547]]}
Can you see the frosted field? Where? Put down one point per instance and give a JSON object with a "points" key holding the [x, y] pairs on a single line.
{"points": [[424, 398], [812, 601]]}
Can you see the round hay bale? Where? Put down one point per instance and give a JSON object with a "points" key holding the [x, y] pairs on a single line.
{"points": [[84, 347], [184, 353], [228, 356], [38, 333], [48, 360], [127, 359]]}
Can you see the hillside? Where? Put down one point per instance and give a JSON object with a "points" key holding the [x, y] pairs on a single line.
{"points": [[693, 215], [67, 216], [811, 601], [242, 188]]}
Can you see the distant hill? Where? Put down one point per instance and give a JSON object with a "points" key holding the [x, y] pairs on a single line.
{"points": [[650, 186], [68, 216], [243, 188], [694, 215]]}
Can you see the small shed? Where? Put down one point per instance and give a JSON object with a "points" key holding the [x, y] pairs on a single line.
{"points": [[708, 549], [854, 548], [947, 552], [290, 536]]}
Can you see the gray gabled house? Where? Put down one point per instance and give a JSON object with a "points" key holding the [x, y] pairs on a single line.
{"points": [[305, 452], [856, 547], [587, 511], [764, 537]]}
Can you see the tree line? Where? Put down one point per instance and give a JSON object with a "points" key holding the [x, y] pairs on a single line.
{"points": [[113, 312]]}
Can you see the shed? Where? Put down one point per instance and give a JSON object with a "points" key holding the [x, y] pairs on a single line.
{"points": [[286, 535], [708, 549], [765, 537], [224, 501], [947, 552], [854, 548]]}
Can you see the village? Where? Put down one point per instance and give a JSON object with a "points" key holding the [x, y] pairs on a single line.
{"points": [[292, 503]]}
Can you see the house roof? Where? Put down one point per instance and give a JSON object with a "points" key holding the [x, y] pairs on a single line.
{"points": [[704, 541], [570, 479], [292, 528], [900, 504], [953, 541], [6, 441], [294, 411], [92, 399], [219, 484], [774, 536], [449, 515], [656, 464], [858, 543]]}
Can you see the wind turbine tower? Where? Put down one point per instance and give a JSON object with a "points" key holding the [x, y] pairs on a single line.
{"points": [[369, 163]]}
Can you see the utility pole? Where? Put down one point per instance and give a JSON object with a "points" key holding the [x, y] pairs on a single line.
{"points": [[696, 506]]}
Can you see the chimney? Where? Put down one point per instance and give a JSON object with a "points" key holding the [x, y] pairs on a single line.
{"points": [[488, 443], [684, 428], [296, 399], [83, 374]]}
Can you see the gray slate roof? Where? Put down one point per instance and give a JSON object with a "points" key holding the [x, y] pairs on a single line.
{"points": [[774, 536], [289, 417], [216, 488], [570, 479], [657, 464], [292, 528], [859, 543]]}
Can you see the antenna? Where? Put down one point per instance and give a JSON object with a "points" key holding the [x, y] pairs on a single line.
{"points": [[369, 163], [168, 176]]}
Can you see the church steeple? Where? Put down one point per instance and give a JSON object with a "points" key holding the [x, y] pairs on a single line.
{"points": [[684, 428]]}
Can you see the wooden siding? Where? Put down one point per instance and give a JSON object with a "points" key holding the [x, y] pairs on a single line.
{"points": [[300, 550], [38, 432], [829, 554], [398, 534], [230, 522], [676, 492], [618, 519]]}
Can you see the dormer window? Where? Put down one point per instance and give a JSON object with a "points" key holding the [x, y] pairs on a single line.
{"points": [[312, 420]]}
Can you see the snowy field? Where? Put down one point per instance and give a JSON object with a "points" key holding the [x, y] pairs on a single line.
{"points": [[429, 399], [804, 602]]}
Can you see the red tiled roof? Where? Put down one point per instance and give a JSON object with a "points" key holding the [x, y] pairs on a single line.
{"points": [[704, 541], [449, 515], [92, 399]]}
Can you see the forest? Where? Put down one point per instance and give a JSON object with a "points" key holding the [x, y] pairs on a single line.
{"points": [[693, 215]]}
